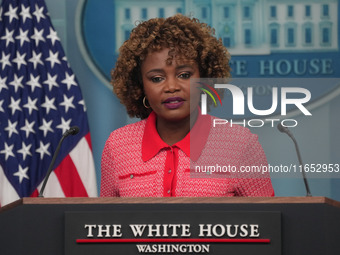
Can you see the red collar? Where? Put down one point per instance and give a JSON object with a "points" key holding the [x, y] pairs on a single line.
{"points": [[152, 143]]}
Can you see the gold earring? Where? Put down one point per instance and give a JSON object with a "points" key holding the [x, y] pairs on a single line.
{"points": [[145, 103]]}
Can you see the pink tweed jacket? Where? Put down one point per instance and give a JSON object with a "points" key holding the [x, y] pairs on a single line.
{"points": [[137, 163]]}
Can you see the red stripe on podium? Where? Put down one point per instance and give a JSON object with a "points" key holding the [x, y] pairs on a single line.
{"points": [[199, 240]]}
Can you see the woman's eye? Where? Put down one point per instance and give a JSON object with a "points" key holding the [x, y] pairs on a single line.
{"points": [[184, 75], [156, 79]]}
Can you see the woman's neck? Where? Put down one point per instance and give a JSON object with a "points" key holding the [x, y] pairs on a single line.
{"points": [[172, 132]]}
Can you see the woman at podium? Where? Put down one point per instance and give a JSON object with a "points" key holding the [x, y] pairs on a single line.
{"points": [[175, 150]]}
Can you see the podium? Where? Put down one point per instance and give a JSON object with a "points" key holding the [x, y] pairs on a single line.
{"points": [[307, 225]]}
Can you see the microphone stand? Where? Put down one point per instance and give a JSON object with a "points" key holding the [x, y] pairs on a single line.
{"points": [[72, 131], [286, 131]]}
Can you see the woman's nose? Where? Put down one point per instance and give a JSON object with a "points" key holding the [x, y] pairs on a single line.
{"points": [[171, 85]]}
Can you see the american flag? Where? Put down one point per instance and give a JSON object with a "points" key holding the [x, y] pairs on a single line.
{"points": [[39, 100]]}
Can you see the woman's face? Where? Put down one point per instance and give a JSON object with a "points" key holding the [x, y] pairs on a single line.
{"points": [[167, 87]]}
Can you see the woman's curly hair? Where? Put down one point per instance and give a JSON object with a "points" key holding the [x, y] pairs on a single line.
{"points": [[187, 39]]}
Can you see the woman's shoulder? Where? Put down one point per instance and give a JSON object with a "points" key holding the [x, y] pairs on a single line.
{"points": [[134, 130]]}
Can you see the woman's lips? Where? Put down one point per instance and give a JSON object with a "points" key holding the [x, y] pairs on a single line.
{"points": [[173, 102]]}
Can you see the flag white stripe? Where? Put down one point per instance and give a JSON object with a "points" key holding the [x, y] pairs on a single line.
{"points": [[53, 187], [7, 192], [82, 158]]}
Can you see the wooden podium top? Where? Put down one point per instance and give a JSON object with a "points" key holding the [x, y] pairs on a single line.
{"points": [[173, 200]]}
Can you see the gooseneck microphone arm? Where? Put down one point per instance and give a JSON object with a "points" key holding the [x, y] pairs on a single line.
{"points": [[72, 131], [286, 131]]}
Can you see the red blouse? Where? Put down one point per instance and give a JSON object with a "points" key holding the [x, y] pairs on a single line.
{"points": [[136, 162]]}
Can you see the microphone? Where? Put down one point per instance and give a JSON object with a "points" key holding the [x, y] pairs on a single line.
{"points": [[72, 131], [287, 131]]}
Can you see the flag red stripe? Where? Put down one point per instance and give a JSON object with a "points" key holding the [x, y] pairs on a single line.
{"points": [[88, 139], [35, 193], [69, 179]]}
